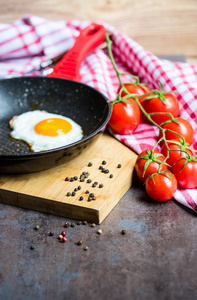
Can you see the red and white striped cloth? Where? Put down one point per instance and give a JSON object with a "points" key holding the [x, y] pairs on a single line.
{"points": [[30, 40]]}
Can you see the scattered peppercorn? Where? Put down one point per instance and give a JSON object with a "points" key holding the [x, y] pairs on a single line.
{"points": [[100, 185], [99, 231], [81, 198], [93, 225], [51, 233], [94, 198], [82, 179], [93, 185], [79, 243], [76, 189], [79, 187], [63, 239], [67, 179], [103, 162], [123, 232], [100, 167], [37, 227], [86, 248], [63, 233], [75, 177], [60, 236], [68, 194], [85, 222], [89, 180], [119, 166], [106, 171], [90, 164], [72, 225], [71, 179], [67, 224], [79, 223], [31, 247], [89, 199], [73, 193], [91, 194], [111, 176], [87, 192]]}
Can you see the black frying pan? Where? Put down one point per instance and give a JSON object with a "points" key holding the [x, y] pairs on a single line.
{"points": [[85, 105]]}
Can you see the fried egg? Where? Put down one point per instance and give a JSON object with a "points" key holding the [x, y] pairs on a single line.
{"points": [[45, 131]]}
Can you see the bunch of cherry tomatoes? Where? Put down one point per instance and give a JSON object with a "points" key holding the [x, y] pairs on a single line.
{"points": [[175, 164]]}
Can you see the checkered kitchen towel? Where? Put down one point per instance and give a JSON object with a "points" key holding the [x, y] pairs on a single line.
{"points": [[31, 40]]}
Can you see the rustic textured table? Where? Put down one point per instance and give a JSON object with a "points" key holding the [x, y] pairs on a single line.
{"points": [[156, 258]]}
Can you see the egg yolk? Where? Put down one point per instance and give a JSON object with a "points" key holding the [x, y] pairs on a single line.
{"points": [[53, 127]]}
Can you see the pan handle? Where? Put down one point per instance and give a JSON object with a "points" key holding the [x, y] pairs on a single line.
{"points": [[88, 40]]}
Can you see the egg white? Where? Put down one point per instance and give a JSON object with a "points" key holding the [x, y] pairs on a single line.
{"points": [[23, 129]]}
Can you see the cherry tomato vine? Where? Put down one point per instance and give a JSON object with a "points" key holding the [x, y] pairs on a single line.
{"points": [[175, 165]]}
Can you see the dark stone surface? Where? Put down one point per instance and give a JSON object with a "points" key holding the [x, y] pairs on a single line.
{"points": [[155, 259]]}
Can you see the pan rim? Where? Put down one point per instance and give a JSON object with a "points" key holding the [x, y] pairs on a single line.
{"points": [[69, 146]]}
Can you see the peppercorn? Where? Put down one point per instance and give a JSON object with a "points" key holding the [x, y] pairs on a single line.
{"points": [[67, 224], [75, 177], [68, 194], [37, 227], [79, 223], [89, 199], [100, 167], [31, 247], [99, 231], [123, 232], [86, 248], [93, 185], [60, 236], [103, 162], [63, 239], [91, 194], [71, 179], [72, 225], [90, 164], [73, 193], [51, 233], [87, 192], [63, 233], [106, 171], [93, 198], [79, 187], [81, 198], [79, 243], [76, 189], [111, 176], [85, 222], [67, 179], [93, 225], [89, 180], [119, 166], [100, 185]]}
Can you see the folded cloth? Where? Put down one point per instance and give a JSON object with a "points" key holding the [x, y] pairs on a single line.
{"points": [[31, 40]]}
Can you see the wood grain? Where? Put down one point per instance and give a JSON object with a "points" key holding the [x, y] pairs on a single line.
{"points": [[46, 191], [162, 27]]}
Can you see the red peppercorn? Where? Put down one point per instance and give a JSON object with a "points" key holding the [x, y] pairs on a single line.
{"points": [[67, 179], [63, 239], [63, 233]]}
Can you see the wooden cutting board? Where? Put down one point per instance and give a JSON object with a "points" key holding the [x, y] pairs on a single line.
{"points": [[47, 191]]}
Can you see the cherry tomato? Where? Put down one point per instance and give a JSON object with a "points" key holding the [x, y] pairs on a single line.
{"points": [[156, 104], [183, 128], [161, 188], [175, 151], [126, 116], [185, 172], [135, 89], [148, 163]]}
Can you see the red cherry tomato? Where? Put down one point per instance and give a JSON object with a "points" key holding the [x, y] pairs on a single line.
{"points": [[185, 172], [161, 187], [175, 151], [148, 163], [183, 128], [170, 105], [135, 89], [126, 117]]}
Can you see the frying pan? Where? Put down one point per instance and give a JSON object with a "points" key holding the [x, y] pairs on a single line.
{"points": [[55, 94]]}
